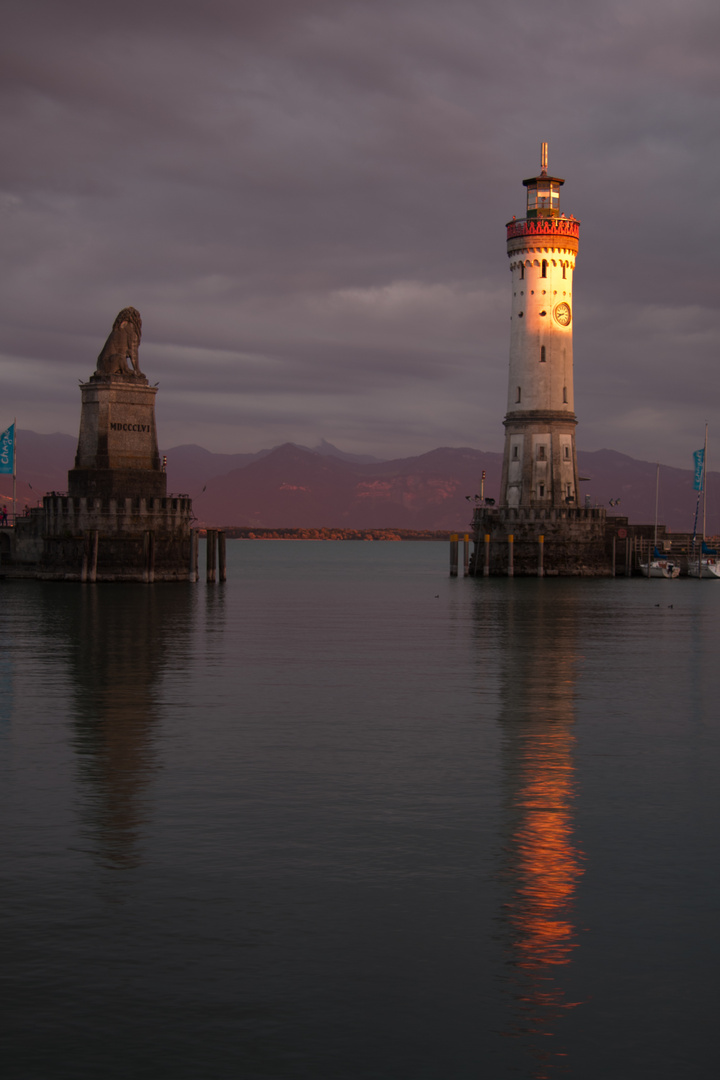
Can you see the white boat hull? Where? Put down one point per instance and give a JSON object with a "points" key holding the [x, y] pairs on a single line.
{"points": [[709, 568], [660, 568]]}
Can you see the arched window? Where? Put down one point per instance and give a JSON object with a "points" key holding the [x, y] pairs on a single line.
{"points": [[564, 268], [544, 268], [542, 354]]}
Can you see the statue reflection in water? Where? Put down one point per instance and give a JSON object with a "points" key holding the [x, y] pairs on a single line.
{"points": [[125, 638], [541, 863]]}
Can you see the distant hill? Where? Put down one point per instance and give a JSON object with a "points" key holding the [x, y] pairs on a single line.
{"points": [[299, 488], [617, 476], [296, 488], [292, 486]]}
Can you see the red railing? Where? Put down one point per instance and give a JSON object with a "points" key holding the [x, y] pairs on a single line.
{"points": [[543, 227]]}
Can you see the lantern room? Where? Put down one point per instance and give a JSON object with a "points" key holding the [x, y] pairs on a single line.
{"points": [[543, 192]]}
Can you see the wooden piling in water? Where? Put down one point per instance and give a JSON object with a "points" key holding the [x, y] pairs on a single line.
{"points": [[453, 555], [193, 567], [149, 557], [221, 555], [93, 563], [211, 555], [511, 566]]}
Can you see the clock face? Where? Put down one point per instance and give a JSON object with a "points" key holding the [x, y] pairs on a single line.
{"points": [[562, 314]]}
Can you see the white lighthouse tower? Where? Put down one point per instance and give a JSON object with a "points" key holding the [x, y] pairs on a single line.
{"points": [[537, 525], [540, 463]]}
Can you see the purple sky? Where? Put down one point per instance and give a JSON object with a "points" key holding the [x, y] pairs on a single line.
{"points": [[306, 201]]}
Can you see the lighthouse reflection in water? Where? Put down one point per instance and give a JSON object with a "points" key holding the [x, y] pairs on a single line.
{"points": [[540, 860]]}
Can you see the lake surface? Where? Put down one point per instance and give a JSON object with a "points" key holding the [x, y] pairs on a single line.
{"points": [[345, 817]]}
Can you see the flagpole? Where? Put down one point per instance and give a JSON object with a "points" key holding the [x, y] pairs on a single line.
{"points": [[705, 481], [14, 472]]}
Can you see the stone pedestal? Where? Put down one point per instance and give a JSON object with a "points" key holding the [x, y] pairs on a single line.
{"points": [[117, 522], [117, 455]]}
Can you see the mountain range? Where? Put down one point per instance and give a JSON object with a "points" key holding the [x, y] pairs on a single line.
{"points": [[293, 486]]}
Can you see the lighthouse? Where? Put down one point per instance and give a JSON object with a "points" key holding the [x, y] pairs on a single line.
{"points": [[537, 525], [540, 462]]}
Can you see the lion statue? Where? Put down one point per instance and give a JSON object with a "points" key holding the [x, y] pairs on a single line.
{"points": [[122, 345]]}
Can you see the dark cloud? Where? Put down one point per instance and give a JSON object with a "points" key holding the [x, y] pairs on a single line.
{"points": [[307, 201]]}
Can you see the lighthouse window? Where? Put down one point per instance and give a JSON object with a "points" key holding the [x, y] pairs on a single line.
{"points": [[515, 451], [564, 269], [541, 453], [544, 268], [522, 271], [542, 490], [518, 395], [567, 453], [542, 354], [565, 400]]}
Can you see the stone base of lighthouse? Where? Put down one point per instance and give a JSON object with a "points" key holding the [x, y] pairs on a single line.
{"points": [[526, 542]]}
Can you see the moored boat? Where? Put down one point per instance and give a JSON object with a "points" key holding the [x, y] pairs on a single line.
{"points": [[707, 566], [660, 567]]}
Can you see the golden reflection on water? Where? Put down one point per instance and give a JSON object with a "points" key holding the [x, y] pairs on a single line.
{"points": [[541, 860]]}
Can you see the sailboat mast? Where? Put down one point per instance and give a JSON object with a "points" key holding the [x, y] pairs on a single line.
{"points": [[704, 483], [657, 500]]}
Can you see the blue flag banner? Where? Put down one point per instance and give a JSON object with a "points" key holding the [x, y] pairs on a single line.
{"points": [[7, 450], [699, 458]]}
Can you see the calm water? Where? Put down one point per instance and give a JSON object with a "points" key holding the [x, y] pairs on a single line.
{"points": [[346, 818]]}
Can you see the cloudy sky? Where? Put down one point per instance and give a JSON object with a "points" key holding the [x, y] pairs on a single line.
{"points": [[306, 201]]}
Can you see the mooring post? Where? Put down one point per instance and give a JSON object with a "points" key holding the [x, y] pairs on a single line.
{"points": [[511, 567], [151, 557], [541, 556], [94, 542], [453, 554], [84, 566], [193, 564], [211, 542], [466, 555], [486, 567], [221, 555], [148, 557]]}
